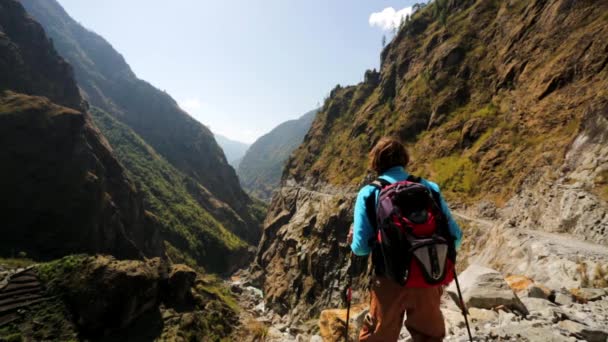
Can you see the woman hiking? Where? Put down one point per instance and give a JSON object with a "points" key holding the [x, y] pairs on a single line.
{"points": [[404, 283]]}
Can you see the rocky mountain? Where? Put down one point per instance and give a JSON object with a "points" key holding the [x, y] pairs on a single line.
{"points": [[234, 150], [64, 192], [63, 189], [192, 220], [504, 105], [261, 167], [185, 179]]}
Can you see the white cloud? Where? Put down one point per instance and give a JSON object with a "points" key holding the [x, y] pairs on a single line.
{"points": [[389, 18], [191, 105]]}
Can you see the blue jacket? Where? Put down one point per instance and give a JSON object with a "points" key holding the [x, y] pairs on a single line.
{"points": [[363, 231]]}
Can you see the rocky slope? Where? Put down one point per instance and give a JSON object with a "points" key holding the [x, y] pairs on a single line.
{"points": [[63, 190], [107, 82], [261, 167], [103, 299], [504, 104]]}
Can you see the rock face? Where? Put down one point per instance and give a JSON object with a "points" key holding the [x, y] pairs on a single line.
{"points": [[107, 82], [302, 259], [572, 199], [33, 69], [106, 294], [90, 298], [261, 167], [63, 189], [488, 116]]}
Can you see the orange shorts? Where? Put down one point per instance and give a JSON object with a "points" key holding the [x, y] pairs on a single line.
{"points": [[390, 302]]}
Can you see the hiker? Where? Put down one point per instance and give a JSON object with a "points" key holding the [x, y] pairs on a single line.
{"points": [[400, 287]]}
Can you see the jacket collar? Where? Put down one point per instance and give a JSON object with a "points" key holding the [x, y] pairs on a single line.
{"points": [[395, 174]]}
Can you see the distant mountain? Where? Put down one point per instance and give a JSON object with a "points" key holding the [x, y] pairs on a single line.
{"points": [[173, 158], [261, 167], [234, 150]]}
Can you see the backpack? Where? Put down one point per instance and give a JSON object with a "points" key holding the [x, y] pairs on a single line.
{"points": [[412, 244]]}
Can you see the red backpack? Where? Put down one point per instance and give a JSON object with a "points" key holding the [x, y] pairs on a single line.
{"points": [[412, 244]]}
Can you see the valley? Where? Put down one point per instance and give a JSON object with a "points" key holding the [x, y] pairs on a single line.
{"points": [[127, 219]]}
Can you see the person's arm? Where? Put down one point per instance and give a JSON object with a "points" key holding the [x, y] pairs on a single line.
{"points": [[455, 230], [362, 230]]}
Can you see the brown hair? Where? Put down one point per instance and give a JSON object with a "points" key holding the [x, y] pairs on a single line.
{"points": [[388, 152]]}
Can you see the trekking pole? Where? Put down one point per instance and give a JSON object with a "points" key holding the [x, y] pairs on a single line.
{"points": [[462, 306], [349, 295]]}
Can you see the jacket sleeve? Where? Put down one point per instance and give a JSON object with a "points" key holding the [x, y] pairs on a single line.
{"points": [[362, 229], [455, 230]]}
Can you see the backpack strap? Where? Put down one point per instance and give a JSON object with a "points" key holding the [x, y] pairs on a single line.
{"points": [[414, 179], [370, 202]]}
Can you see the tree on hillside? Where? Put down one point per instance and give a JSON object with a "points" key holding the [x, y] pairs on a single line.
{"points": [[418, 6], [440, 11], [383, 40]]}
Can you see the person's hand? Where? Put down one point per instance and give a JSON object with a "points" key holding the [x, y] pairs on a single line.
{"points": [[349, 237]]}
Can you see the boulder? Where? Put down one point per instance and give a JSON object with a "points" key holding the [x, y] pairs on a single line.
{"points": [[485, 288], [584, 295], [107, 294], [540, 291], [519, 283], [583, 331], [564, 298], [542, 308], [180, 283], [332, 323]]}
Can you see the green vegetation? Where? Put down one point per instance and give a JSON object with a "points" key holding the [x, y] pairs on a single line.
{"points": [[46, 321], [53, 272], [212, 286], [16, 262], [456, 174], [261, 168], [470, 125], [191, 231]]}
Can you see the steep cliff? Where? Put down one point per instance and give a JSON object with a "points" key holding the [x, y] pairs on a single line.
{"points": [[494, 99], [192, 222], [108, 82], [261, 167], [63, 190]]}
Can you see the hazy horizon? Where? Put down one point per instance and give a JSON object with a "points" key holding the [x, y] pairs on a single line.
{"points": [[243, 67]]}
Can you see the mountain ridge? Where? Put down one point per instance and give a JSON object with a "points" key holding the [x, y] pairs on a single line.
{"points": [[107, 82], [207, 201], [261, 167], [233, 149]]}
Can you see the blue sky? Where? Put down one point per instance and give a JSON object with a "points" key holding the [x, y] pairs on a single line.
{"points": [[244, 66]]}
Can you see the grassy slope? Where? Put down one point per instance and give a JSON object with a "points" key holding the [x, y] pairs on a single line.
{"points": [[479, 104], [186, 226]]}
